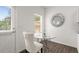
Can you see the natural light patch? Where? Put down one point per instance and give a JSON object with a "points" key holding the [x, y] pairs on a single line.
{"points": [[5, 18], [38, 23]]}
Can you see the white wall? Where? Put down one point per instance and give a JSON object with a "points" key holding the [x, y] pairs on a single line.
{"points": [[25, 22], [66, 33], [7, 43]]}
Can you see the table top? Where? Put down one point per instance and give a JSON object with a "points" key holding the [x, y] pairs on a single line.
{"points": [[45, 37]]}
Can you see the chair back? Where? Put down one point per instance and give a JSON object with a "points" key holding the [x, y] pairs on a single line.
{"points": [[28, 37]]}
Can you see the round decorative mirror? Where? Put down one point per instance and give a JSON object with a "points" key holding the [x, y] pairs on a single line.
{"points": [[57, 20]]}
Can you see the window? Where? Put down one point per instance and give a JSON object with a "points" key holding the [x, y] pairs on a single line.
{"points": [[5, 18], [38, 26], [38, 23]]}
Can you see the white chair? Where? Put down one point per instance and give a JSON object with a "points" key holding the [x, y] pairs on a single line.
{"points": [[31, 46]]}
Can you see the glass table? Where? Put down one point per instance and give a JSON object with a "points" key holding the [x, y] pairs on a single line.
{"points": [[45, 40]]}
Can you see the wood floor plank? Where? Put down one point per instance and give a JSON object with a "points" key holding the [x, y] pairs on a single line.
{"points": [[59, 48]]}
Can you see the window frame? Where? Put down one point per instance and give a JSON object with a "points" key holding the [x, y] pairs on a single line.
{"points": [[11, 29]]}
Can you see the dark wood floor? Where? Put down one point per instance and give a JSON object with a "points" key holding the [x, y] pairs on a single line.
{"points": [[56, 48], [59, 48]]}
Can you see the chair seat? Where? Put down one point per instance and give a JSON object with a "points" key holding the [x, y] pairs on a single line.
{"points": [[38, 46]]}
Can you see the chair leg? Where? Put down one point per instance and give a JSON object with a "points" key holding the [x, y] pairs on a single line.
{"points": [[41, 50]]}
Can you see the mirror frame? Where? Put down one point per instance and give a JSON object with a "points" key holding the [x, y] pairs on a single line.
{"points": [[57, 20]]}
